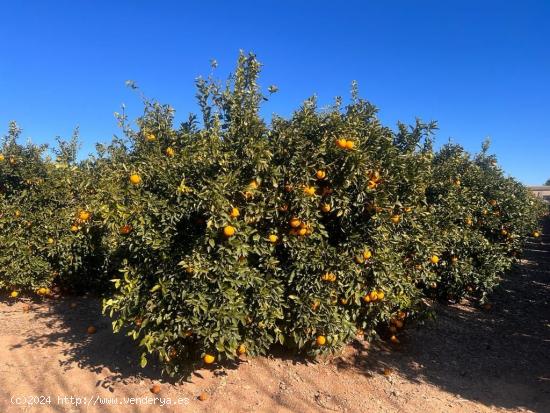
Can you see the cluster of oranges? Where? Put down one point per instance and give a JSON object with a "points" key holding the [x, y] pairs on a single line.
{"points": [[374, 296], [329, 277], [345, 143]]}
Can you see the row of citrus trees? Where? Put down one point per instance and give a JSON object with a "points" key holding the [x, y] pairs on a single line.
{"points": [[227, 235]]}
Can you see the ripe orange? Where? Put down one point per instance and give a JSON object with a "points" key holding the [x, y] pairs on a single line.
{"points": [[2, 157], [326, 208], [42, 291], [295, 222], [84, 215], [50, 241], [170, 152], [155, 389], [17, 214], [14, 294], [234, 213], [135, 179], [407, 209], [91, 330], [241, 349], [434, 259], [366, 298], [229, 231], [253, 184], [302, 231], [320, 174], [350, 145], [273, 238], [395, 219], [125, 229], [394, 339], [208, 359], [150, 137], [309, 190], [74, 228], [367, 254], [203, 396], [373, 296], [493, 202], [372, 185], [341, 143], [536, 234], [320, 340], [381, 295], [469, 221], [328, 276], [343, 301]]}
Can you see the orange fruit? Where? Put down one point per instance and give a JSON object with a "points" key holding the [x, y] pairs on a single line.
{"points": [[394, 339], [17, 214], [493, 202], [253, 184], [373, 296], [309, 190], [320, 174], [372, 185], [469, 221], [84, 215], [91, 330], [295, 222], [203, 396], [14, 294], [155, 389], [273, 238], [367, 254], [208, 359], [320, 340], [74, 228], [350, 144], [50, 241], [395, 219], [326, 208], [457, 182], [341, 143], [229, 231], [135, 179], [359, 259], [381, 295], [241, 349], [315, 305], [434, 259], [536, 234], [2, 157], [302, 231], [234, 213], [125, 229], [503, 232], [150, 137], [170, 152], [366, 298], [42, 291], [343, 301]]}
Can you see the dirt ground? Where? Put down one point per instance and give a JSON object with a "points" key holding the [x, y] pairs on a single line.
{"points": [[468, 360]]}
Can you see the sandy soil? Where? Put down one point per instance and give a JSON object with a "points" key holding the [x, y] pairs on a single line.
{"points": [[468, 360]]}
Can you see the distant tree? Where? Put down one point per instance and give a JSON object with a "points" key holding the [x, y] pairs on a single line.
{"points": [[547, 183]]}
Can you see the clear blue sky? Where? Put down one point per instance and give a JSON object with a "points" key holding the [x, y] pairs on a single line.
{"points": [[480, 68]]}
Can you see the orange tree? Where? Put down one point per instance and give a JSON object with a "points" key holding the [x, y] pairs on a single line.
{"points": [[47, 231]]}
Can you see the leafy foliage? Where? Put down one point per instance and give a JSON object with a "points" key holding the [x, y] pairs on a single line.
{"points": [[231, 235]]}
